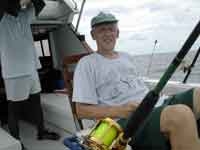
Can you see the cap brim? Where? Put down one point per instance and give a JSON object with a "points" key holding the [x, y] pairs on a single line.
{"points": [[104, 22]]}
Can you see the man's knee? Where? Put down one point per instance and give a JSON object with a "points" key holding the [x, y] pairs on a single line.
{"points": [[196, 103], [174, 117]]}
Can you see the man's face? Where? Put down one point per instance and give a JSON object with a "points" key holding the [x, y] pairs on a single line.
{"points": [[105, 35]]}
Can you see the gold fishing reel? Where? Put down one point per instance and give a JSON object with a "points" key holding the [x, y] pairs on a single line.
{"points": [[105, 135]]}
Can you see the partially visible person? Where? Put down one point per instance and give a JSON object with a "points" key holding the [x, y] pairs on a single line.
{"points": [[19, 64], [106, 84]]}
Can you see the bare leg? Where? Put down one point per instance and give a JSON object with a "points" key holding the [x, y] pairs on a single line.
{"points": [[179, 124], [196, 103]]}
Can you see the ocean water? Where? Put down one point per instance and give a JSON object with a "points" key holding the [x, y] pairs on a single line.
{"points": [[154, 66]]}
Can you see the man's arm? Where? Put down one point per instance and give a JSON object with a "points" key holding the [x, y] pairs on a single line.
{"points": [[98, 112]]}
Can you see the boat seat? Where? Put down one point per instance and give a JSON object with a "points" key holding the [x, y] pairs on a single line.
{"points": [[58, 107], [69, 64], [57, 110], [7, 142]]}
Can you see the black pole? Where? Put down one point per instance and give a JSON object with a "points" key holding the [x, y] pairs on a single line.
{"points": [[192, 65], [150, 62], [79, 17], [137, 118], [42, 48]]}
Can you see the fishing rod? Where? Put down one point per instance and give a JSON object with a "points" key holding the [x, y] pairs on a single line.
{"points": [[189, 69], [137, 117], [151, 59]]}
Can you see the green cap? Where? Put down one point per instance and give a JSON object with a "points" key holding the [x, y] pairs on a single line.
{"points": [[103, 18]]}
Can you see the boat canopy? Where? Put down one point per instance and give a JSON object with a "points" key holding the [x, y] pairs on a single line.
{"points": [[54, 14], [58, 10]]}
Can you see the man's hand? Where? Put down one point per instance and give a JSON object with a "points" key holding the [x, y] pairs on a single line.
{"points": [[24, 3], [129, 108]]}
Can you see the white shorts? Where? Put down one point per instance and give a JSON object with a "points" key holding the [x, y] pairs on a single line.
{"points": [[19, 89]]}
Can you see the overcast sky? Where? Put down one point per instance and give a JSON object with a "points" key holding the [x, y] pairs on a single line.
{"points": [[141, 22]]}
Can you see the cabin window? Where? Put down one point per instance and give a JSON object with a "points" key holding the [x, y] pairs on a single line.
{"points": [[38, 48], [42, 48]]}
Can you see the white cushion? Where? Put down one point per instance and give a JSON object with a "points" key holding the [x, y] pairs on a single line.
{"points": [[57, 111], [7, 142]]}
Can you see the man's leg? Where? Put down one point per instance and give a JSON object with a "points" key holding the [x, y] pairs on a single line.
{"points": [[196, 103], [198, 126], [196, 107], [17, 91], [36, 111], [3, 110], [37, 115], [178, 123], [13, 118], [150, 135], [190, 98]]}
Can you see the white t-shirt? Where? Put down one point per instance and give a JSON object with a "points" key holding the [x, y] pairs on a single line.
{"points": [[99, 80], [17, 52]]}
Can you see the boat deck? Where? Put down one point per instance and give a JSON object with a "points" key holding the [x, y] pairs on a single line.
{"points": [[58, 117], [28, 134]]}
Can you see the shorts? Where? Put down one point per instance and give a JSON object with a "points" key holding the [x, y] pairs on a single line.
{"points": [[149, 136], [19, 88]]}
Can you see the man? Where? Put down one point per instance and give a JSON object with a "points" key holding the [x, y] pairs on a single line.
{"points": [[19, 64], [106, 84]]}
